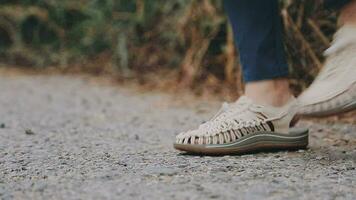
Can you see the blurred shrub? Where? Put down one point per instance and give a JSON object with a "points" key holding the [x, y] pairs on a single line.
{"points": [[132, 37]]}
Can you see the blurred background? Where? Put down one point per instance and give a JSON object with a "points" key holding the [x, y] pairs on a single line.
{"points": [[174, 44]]}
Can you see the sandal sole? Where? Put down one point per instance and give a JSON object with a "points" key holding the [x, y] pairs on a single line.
{"points": [[335, 111], [257, 142]]}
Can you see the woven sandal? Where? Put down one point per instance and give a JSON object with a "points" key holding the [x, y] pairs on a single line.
{"points": [[244, 127], [334, 89]]}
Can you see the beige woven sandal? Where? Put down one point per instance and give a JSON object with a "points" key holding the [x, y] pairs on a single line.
{"points": [[334, 89], [244, 127]]}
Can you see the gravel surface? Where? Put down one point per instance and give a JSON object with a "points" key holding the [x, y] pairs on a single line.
{"points": [[68, 138]]}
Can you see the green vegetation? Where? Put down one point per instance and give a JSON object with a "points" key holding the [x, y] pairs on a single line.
{"points": [[135, 37]]}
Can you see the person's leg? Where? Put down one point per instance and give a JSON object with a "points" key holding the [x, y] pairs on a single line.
{"points": [[334, 89], [262, 118], [258, 35]]}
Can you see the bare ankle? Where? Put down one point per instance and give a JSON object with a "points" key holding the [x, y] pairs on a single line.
{"points": [[274, 92], [348, 14]]}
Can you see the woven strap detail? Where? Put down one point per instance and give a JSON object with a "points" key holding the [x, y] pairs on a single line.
{"points": [[232, 122]]}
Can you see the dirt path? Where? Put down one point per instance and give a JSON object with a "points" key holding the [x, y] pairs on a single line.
{"points": [[65, 138]]}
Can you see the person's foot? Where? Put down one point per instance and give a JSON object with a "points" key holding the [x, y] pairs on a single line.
{"points": [[244, 127], [334, 89]]}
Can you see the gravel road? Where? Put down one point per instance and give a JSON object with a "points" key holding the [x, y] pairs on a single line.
{"points": [[64, 137]]}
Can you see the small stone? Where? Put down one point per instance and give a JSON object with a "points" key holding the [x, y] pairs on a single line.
{"points": [[182, 165], [214, 196], [161, 171], [275, 181], [40, 187], [200, 188], [137, 137], [29, 132], [319, 157], [2, 125]]}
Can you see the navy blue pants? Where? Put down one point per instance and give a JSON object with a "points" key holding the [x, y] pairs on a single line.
{"points": [[257, 31]]}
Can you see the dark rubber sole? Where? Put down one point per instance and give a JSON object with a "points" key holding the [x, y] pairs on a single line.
{"points": [[260, 141]]}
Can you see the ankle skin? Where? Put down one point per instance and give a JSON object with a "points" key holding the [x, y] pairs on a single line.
{"points": [[274, 92], [348, 14]]}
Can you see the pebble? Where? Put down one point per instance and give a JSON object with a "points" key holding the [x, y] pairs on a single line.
{"points": [[157, 170], [29, 132]]}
